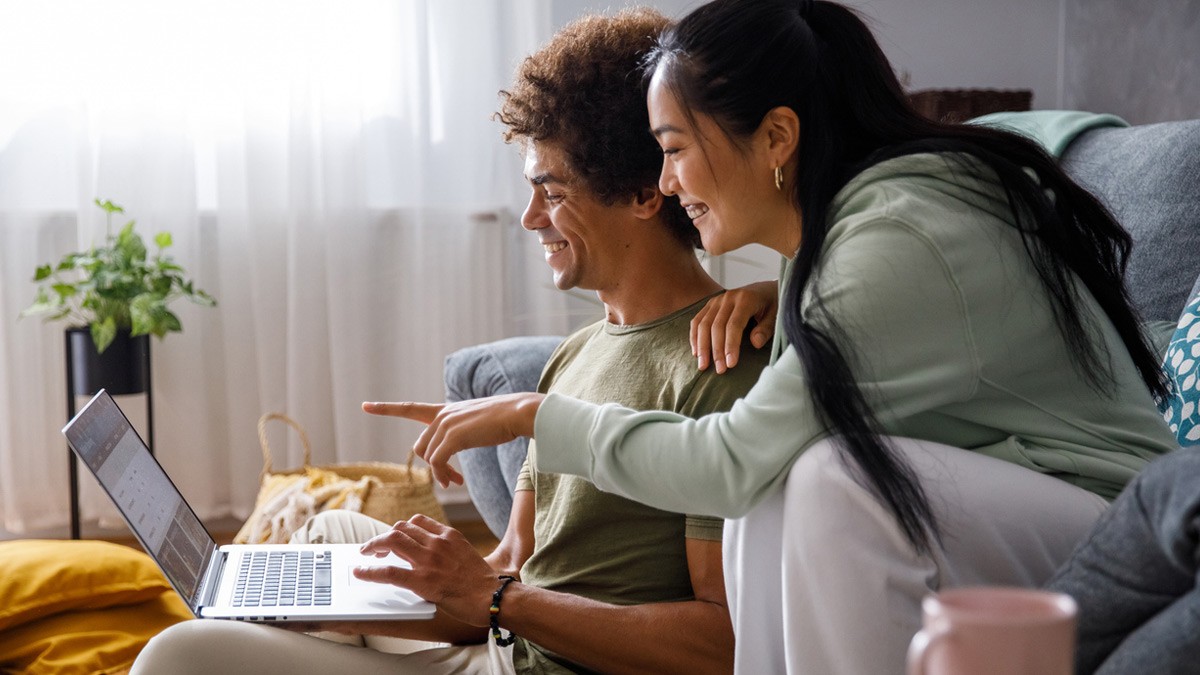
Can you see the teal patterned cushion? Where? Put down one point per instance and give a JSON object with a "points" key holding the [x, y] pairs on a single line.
{"points": [[1182, 364]]}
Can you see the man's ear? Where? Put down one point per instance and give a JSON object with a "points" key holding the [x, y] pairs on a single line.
{"points": [[647, 203], [779, 134]]}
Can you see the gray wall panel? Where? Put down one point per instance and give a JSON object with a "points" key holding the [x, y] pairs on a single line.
{"points": [[1139, 59]]}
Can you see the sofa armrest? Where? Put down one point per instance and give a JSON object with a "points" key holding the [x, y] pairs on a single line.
{"points": [[1147, 175]]}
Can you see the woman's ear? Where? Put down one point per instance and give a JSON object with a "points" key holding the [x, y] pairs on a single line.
{"points": [[647, 203], [779, 134]]}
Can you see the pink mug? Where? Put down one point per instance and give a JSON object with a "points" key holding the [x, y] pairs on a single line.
{"points": [[995, 631]]}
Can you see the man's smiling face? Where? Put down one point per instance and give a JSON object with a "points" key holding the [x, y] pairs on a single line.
{"points": [[578, 232]]}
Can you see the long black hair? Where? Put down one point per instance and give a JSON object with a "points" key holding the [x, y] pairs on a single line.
{"points": [[735, 60]]}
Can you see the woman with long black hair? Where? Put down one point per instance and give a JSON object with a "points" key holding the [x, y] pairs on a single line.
{"points": [[960, 383]]}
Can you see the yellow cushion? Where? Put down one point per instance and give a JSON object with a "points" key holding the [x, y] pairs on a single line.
{"points": [[39, 578], [88, 642]]}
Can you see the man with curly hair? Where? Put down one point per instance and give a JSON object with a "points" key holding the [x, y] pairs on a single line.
{"points": [[582, 581]]}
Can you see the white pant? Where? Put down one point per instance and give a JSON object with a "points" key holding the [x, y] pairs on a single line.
{"points": [[839, 593], [207, 646]]}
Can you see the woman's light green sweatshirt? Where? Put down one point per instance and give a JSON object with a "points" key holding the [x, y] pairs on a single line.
{"points": [[952, 339]]}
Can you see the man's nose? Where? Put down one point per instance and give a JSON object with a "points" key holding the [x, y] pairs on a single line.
{"points": [[535, 217]]}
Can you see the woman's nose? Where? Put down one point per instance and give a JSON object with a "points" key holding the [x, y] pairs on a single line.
{"points": [[666, 180]]}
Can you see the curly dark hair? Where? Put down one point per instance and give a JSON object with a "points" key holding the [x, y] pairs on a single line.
{"points": [[583, 92]]}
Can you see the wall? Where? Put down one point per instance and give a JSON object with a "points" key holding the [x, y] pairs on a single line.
{"points": [[939, 43], [942, 44], [1139, 59]]}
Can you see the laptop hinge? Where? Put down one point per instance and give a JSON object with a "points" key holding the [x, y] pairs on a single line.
{"points": [[207, 593]]}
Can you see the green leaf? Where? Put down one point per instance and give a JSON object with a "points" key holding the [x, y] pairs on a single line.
{"points": [[109, 206], [103, 333], [163, 239], [130, 244], [204, 299], [64, 290], [38, 308], [147, 313], [142, 323], [171, 324], [42, 272]]}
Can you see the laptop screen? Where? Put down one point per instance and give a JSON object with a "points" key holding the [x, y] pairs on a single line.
{"points": [[151, 504]]}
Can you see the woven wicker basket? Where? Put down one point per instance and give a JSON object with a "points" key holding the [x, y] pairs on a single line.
{"points": [[400, 491], [960, 105]]}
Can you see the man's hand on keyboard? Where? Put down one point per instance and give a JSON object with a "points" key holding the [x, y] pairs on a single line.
{"points": [[446, 568]]}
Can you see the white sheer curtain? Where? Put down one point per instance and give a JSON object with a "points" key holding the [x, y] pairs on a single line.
{"points": [[329, 171]]}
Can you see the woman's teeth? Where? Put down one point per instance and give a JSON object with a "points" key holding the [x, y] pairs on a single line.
{"points": [[696, 210], [555, 247]]}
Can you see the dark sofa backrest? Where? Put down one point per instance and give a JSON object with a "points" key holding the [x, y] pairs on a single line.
{"points": [[1149, 176]]}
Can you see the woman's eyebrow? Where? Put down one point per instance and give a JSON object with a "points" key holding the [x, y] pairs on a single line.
{"points": [[665, 128]]}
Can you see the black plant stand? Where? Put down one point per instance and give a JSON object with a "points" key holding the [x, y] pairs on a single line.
{"points": [[123, 368]]}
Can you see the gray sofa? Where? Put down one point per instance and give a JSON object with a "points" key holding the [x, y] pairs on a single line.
{"points": [[1148, 175]]}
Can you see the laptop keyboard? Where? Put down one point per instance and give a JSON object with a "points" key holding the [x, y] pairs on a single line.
{"points": [[284, 579]]}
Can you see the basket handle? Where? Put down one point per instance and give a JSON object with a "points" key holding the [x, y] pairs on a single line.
{"points": [[266, 448]]}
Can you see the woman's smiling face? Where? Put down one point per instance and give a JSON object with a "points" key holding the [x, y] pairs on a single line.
{"points": [[727, 188]]}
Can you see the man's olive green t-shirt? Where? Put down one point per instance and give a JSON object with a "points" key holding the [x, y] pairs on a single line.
{"points": [[598, 545]]}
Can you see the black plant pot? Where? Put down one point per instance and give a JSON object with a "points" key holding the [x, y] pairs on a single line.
{"points": [[123, 368]]}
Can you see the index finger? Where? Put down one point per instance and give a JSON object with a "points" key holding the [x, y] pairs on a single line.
{"points": [[735, 326], [396, 540], [420, 412]]}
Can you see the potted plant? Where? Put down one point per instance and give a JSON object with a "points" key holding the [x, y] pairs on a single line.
{"points": [[114, 297]]}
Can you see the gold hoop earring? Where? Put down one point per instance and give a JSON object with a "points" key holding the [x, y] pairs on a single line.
{"points": [[779, 178]]}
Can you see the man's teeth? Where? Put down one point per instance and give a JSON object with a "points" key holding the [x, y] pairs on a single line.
{"points": [[696, 210], [555, 247]]}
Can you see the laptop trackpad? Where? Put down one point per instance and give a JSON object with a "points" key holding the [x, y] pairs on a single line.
{"points": [[391, 560], [382, 595], [355, 582]]}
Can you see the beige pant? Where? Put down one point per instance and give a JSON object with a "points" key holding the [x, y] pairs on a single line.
{"points": [[839, 592], [206, 646]]}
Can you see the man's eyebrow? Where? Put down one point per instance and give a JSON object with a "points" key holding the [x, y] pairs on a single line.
{"points": [[543, 178]]}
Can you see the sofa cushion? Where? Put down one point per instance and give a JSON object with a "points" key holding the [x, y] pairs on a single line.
{"points": [[1182, 365], [1147, 175]]}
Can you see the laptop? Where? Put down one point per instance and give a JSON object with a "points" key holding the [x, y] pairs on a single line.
{"points": [[274, 583]]}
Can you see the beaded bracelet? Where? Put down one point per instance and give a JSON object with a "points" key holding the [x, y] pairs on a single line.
{"points": [[505, 580]]}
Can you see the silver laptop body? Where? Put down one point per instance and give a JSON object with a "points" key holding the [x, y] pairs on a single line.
{"points": [[268, 582]]}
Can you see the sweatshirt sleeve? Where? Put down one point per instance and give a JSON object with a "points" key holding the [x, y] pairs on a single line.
{"points": [[732, 459], [889, 289]]}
